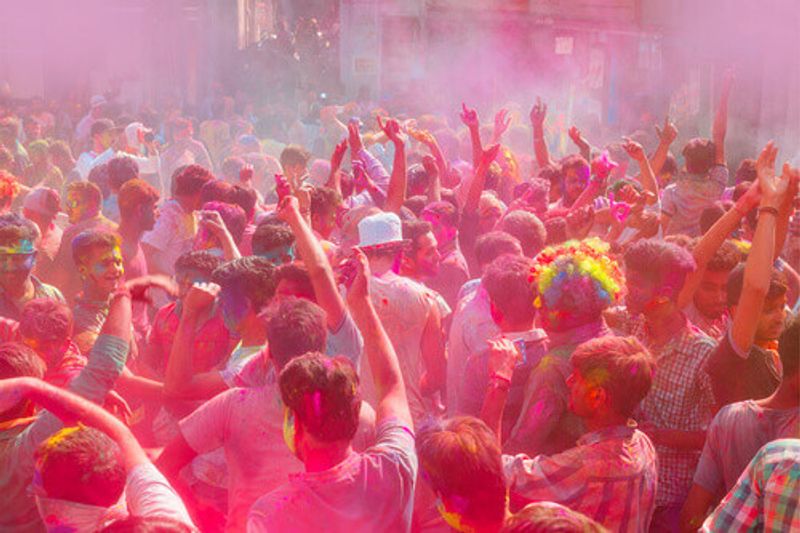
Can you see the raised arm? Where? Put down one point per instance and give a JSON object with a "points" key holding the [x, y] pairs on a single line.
{"points": [[636, 152], [334, 182], [708, 245], [538, 114], [180, 380], [212, 222], [501, 123], [70, 409], [503, 356], [479, 181], [666, 137], [758, 269], [315, 260], [439, 168], [580, 141], [392, 401], [396, 190], [470, 119], [720, 127]]}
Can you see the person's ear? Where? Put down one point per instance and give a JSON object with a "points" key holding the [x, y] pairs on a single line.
{"points": [[598, 397], [83, 270]]}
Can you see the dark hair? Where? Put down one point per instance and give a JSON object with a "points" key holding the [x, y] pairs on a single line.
{"points": [[297, 273], [662, 262], [789, 347], [462, 461], [746, 173], [100, 125], [778, 285], [552, 173], [670, 165], [244, 198], [725, 258], [620, 365], [294, 155], [556, 229], [189, 180], [146, 524], [232, 165], [18, 360], [98, 176], [739, 190], [527, 228], [417, 179], [324, 200], [577, 163], [446, 212], [200, 261], [270, 236], [322, 392], [14, 228], [414, 229], [215, 191], [135, 193], [88, 191], [296, 327], [85, 241], [699, 155], [508, 282], [710, 215], [121, 169], [493, 244], [416, 204], [549, 517], [249, 277], [232, 215], [82, 464], [46, 319]]}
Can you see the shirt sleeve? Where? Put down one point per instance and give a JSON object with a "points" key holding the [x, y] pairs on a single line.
{"points": [[346, 341], [204, 430], [719, 174], [375, 170], [162, 234], [668, 206], [398, 441], [709, 472], [741, 509], [149, 494], [724, 366], [556, 479]]}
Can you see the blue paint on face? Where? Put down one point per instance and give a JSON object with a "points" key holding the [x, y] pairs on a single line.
{"points": [[234, 309]]}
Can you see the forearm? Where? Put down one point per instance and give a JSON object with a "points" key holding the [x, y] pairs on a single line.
{"points": [[540, 146], [477, 147], [396, 190], [494, 402], [475, 189], [648, 178], [720, 127], [435, 189], [180, 367], [659, 157], [587, 196]]}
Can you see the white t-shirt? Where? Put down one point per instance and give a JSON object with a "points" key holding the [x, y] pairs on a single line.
{"points": [[370, 492], [173, 234]]}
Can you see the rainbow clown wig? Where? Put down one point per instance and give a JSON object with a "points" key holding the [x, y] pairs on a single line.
{"points": [[575, 282]]}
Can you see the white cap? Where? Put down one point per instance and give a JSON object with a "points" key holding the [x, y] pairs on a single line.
{"points": [[98, 100], [132, 133], [380, 229]]}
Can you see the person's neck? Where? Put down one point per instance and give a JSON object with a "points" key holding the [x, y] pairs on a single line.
{"points": [[325, 458], [254, 333], [19, 292], [381, 266], [663, 325], [787, 396], [94, 293], [129, 231], [602, 421], [89, 216]]}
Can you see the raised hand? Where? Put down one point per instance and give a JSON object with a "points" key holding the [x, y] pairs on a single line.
{"points": [[538, 112], [668, 133], [288, 209], [354, 137], [602, 166], [469, 117], [358, 289], [423, 136], [575, 134], [503, 357], [138, 287], [771, 187], [246, 173], [338, 155], [634, 150], [501, 123], [489, 154], [200, 297], [282, 187], [391, 128]]}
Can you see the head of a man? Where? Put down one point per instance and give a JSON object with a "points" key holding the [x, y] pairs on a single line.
{"points": [[295, 327], [294, 161], [293, 281], [187, 182], [443, 218], [575, 282], [421, 260], [137, 204], [655, 272], [233, 218], [102, 134], [17, 251], [507, 281], [325, 206], [98, 258], [248, 285], [527, 228], [699, 155], [46, 327], [274, 241], [711, 296], [540, 517], [610, 377], [461, 461], [83, 201], [492, 245], [79, 478], [121, 169], [194, 267], [17, 360], [576, 172], [773, 315], [322, 404]]}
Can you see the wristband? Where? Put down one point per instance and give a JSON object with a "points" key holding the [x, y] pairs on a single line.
{"points": [[503, 381], [768, 209]]}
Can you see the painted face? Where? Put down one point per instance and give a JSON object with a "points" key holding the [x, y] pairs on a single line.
{"points": [[711, 297], [641, 292], [103, 268], [324, 223], [772, 319], [51, 351], [76, 207], [279, 256], [574, 183], [443, 233], [16, 261], [234, 309], [186, 278], [580, 393], [148, 216], [427, 257]]}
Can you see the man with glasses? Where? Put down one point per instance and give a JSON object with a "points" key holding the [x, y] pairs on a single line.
{"points": [[17, 257]]}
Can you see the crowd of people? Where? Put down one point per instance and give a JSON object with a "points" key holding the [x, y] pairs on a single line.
{"points": [[383, 322]]}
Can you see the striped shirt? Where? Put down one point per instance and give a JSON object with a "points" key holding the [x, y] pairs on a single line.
{"points": [[767, 495], [610, 476]]}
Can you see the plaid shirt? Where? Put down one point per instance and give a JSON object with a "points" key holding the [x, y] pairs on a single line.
{"points": [[766, 496], [681, 398], [610, 476]]}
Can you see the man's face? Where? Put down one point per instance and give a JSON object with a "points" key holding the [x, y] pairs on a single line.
{"points": [[581, 391], [77, 207], [772, 319], [712, 294], [105, 139], [441, 230], [147, 214], [641, 292], [324, 223], [234, 307], [16, 262], [51, 351], [574, 183], [103, 268], [426, 256]]}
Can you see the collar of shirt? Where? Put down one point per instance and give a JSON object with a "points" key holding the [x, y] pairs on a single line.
{"points": [[611, 432]]}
